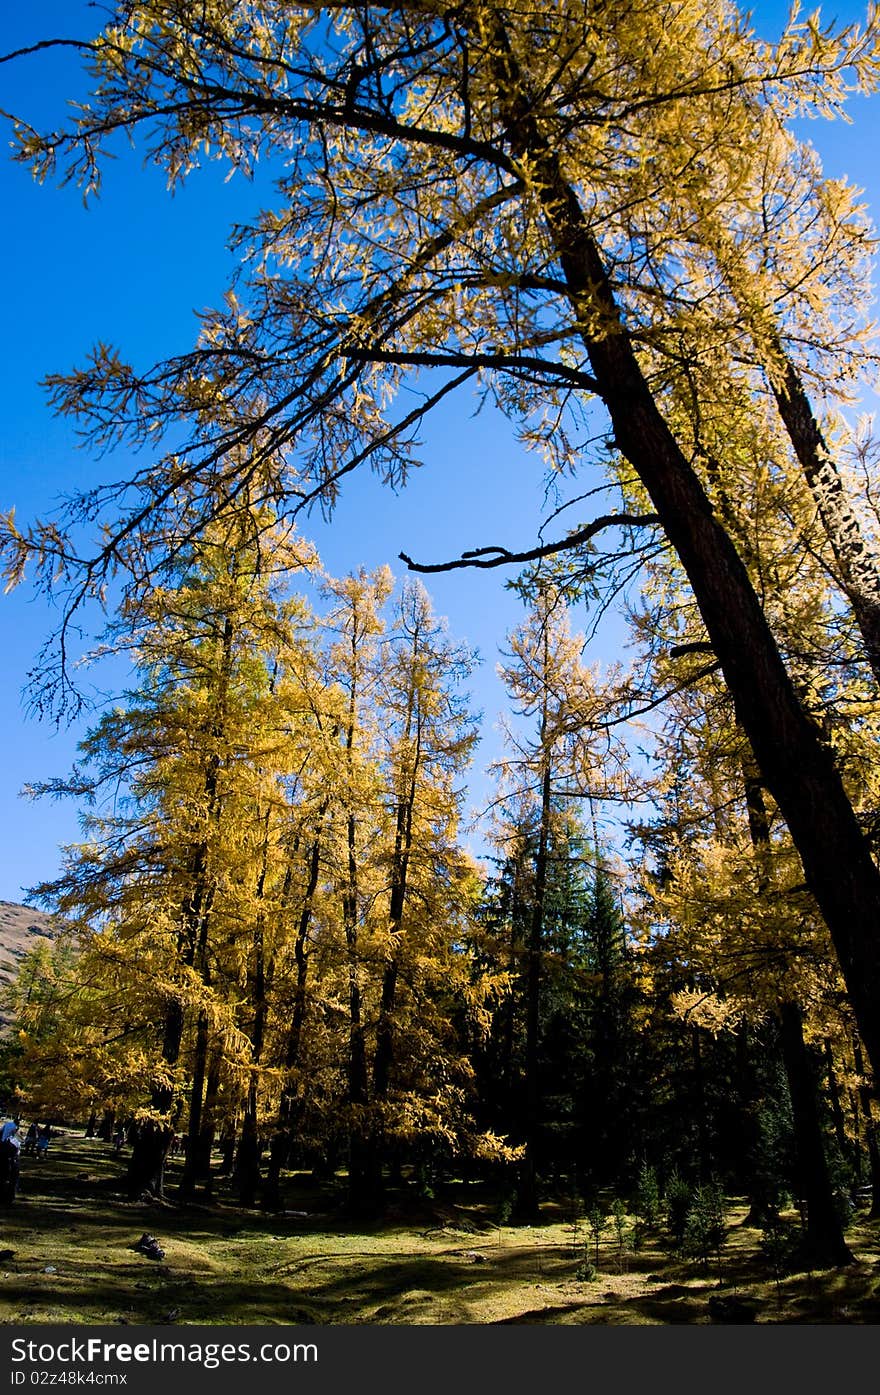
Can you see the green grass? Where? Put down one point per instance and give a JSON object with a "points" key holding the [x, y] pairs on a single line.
{"points": [[427, 1263]]}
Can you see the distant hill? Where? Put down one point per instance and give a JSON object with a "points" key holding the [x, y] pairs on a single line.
{"points": [[21, 928]]}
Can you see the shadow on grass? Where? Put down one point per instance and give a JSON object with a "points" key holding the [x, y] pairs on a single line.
{"points": [[71, 1235]]}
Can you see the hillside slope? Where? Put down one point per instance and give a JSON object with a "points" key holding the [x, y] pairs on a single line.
{"points": [[21, 928]]}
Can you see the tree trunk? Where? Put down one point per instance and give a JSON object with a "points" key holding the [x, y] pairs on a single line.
{"points": [[704, 1160], [857, 564], [192, 948], [142, 1163], [403, 833], [508, 1103], [384, 1052], [196, 1101], [281, 1140], [798, 769], [871, 1132], [834, 1100], [227, 1150], [825, 1244], [146, 1166], [279, 1155], [364, 1172], [748, 1095], [527, 1203], [198, 919], [209, 1124], [249, 1149], [364, 1167], [247, 1162]]}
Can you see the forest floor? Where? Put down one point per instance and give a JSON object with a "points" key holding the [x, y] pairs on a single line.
{"points": [[66, 1256]]}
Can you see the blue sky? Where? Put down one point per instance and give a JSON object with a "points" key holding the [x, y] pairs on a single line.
{"points": [[131, 269]]}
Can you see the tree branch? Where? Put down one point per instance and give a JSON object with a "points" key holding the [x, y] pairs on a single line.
{"points": [[511, 362], [48, 43], [697, 646], [502, 557]]}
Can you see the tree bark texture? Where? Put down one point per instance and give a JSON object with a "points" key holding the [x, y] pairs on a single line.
{"points": [[856, 561]]}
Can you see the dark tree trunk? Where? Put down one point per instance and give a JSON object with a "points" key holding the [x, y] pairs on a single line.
{"points": [[383, 1056], [247, 1169], [871, 1134], [196, 1102], [509, 1106], [403, 833], [384, 1053], [364, 1167], [855, 1105], [144, 1146], [192, 948], [250, 1147], [279, 1153], [209, 1125], [704, 1159], [527, 1202], [746, 1138], [364, 1172], [247, 1162], [146, 1165], [227, 1151], [196, 921], [289, 1108], [834, 1100], [199, 916], [796, 766], [824, 1240]]}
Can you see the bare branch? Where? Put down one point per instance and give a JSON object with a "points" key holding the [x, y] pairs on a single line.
{"points": [[502, 557], [82, 44], [501, 361]]}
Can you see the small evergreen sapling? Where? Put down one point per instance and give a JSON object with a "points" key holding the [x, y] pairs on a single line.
{"points": [[705, 1231], [646, 1202], [623, 1236], [586, 1271], [596, 1222], [679, 1198], [779, 1247]]}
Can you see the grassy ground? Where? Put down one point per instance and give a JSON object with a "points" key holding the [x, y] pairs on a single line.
{"points": [[66, 1256]]}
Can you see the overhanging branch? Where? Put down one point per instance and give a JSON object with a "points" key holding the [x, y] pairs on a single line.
{"points": [[83, 44], [503, 362], [501, 556]]}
